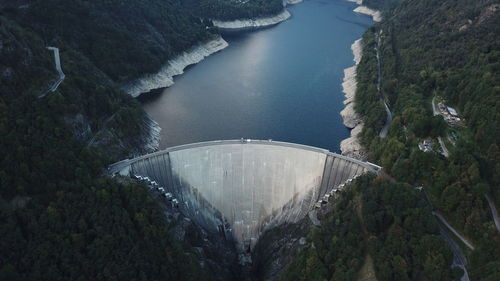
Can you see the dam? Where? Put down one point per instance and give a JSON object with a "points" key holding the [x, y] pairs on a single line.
{"points": [[242, 188]]}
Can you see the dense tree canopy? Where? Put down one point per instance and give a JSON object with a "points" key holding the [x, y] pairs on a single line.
{"points": [[389, 222], [439, 49], [233, 10]]}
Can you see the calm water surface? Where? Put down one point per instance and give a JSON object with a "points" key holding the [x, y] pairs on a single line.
{"points": [[281, 83]]}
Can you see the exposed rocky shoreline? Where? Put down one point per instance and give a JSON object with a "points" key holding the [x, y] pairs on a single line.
{"points": [[176, 66], [292, 2], [351, 146], [165, 77], [376, 15], [245, 24]]}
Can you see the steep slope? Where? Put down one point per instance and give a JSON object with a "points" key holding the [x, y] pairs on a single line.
{"points": [[124, 39], [228, 10], [59, 219], [448, 50], [372, 217]]}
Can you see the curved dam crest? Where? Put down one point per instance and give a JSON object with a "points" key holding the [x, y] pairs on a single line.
{"points": [[242, 188]]}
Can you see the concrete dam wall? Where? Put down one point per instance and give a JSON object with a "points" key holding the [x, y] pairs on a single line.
{"points": [[243, 187]]}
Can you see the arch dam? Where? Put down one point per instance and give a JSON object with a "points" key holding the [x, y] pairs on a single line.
{"points": [[241, 188]]}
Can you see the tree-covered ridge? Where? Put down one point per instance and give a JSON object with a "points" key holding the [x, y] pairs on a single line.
{"points": [[98, 230], [233, 10], [59, 220], [389, 222], [449, 50], [125, 39], [382, 5]]}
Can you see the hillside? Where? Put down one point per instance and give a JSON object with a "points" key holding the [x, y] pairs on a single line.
{"points": [[60, 219], [228, 10], [388, 223], [124, 39], [446, 50]]}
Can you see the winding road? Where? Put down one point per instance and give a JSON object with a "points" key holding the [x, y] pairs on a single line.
{"points": [[494, 211], [443, 220], [458, 256], [57, 61], [445, 152], [388, 120], [436, 112], [459, 259]]}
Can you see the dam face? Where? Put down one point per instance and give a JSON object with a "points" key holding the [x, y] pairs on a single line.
{"points": [[243, 187]]}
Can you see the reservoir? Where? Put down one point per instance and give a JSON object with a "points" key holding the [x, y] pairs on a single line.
{"points": [[281, 83]]}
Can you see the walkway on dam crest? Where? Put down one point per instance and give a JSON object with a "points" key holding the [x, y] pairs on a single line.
{"points": [[119, 166]]}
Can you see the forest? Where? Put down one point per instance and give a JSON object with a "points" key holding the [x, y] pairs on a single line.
{"points": [[458, 62], [374, 221], [227, 10], [60, 219]]}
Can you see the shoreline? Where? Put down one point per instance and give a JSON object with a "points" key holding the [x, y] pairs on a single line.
{"points": [[165, 76], [376, 15], [292, 2], [248, 24], [351, 146]]}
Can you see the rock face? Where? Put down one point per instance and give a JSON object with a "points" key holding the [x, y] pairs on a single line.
{"points": [[351, 146], [213, 251], [245, 24], [278, 248], [164, 78], [152, 134]]}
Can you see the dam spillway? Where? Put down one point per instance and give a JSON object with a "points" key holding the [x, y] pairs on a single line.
{"points": [[244, 187]]}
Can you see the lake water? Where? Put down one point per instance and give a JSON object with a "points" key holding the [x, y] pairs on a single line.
{"points": [[281, 83]]}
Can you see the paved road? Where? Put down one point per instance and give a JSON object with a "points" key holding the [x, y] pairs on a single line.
{"points": [[388, 120], [445, 152], [57, 61], [459, 259], [385, 129], [435, 111], [494, 211], [443, 220]]}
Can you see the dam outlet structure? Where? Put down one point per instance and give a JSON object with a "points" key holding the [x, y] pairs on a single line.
{"points": [[241, 188]]}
